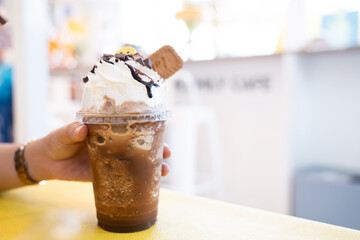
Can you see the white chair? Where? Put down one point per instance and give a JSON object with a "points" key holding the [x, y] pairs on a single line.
{"points": [[183, 136]]}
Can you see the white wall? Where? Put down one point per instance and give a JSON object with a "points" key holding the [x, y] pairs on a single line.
{"points": [[247, 95], [326, 113]]}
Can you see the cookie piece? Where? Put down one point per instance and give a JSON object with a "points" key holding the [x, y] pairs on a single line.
{"points": [[166, 61]]}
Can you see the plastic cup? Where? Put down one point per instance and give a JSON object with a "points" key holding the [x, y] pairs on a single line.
{"points": [[126, 160]]}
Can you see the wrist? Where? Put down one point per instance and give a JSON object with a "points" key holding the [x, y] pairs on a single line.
{"points": [[38, 163]]}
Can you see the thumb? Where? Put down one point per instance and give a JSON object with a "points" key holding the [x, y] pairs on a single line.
{"points": [[72, 133]]}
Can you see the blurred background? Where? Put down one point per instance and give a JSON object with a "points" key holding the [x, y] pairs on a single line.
{"points": [[265, 112]]}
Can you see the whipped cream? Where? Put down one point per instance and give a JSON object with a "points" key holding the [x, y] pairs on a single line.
{"points": [[122, 85]]}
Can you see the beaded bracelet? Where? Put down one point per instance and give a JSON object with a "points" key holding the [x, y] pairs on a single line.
{"points": [[21, 167]]}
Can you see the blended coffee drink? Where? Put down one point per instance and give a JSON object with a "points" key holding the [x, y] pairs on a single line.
{"points": [[126, 162], [124, 107]]}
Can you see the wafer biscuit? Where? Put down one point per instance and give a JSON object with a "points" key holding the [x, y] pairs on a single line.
{"points": [[166, 61]]}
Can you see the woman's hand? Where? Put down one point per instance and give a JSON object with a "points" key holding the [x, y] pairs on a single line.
{"points": [[63, 155]]}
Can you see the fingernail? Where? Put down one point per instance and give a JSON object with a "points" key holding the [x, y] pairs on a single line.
{"points": [[77, 130], [166, 145]]}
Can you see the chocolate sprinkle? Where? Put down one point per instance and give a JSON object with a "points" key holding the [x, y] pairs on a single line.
{"points": [[148, 85], [139, 60], [148, 63], [121, 56], [107, 56], [93, 69], [136, 56], [106, 60], [85, 79]]}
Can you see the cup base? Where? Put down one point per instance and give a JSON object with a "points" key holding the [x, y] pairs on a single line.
{"points": [[126, 229]]}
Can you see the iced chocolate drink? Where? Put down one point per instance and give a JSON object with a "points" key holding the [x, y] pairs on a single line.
{"points": [[124, 107], [126, 167]]}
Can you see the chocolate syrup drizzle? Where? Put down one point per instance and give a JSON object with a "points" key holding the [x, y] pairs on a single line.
{"points": [[138, 58], [148, 85]]}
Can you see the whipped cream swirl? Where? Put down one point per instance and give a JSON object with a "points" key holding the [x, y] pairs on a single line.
{"points": [[123, 84]]}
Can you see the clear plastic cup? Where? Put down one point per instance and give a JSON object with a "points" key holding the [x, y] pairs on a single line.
{"points": [[126, 159]]}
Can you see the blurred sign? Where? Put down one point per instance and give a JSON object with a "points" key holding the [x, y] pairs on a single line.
{"points": [[236, 83]]}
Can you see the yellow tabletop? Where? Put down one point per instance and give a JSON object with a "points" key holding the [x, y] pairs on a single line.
{"points": [[66, 210]]}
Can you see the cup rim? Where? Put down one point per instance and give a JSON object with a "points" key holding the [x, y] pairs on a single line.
{"points": [[100, 118]]}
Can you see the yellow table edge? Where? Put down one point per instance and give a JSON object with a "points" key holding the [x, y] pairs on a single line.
{"points": [[66, 210]]}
